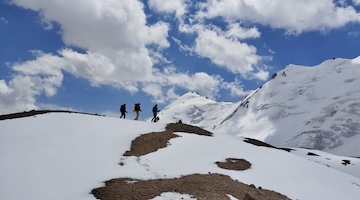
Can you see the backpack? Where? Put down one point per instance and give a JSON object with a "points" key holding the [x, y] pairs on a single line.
{"points": [[122, 108], [136, 107]]}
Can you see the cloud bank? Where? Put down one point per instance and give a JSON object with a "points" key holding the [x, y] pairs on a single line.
{"points": [[121, 48]]}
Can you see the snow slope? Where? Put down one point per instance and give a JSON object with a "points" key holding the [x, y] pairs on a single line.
{"points": [[310, 107], [65, 156], [197, 110]]}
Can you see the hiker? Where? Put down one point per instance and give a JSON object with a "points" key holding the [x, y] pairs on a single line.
{"points": [[247, 104], [155, 111], [283, 74], [123, 110], [273, 76], [137, 109]]}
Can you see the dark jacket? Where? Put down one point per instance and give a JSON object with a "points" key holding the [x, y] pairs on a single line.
{"points": [[137, 107], [122, 108], [155, 109]]}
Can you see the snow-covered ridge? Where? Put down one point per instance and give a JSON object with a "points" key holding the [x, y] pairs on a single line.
{"points": [[198, 110], [66, 155], [311, 107]]}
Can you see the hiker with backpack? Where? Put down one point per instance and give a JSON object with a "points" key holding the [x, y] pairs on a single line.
{"points": [[123, 110], [273, 76], [155, 110], [137, 109]]}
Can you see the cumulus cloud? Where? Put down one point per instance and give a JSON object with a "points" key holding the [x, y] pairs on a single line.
{"points": [[16, 95], [114, 35], [169, 80], [262, 75], [235, 88], [174, 6], [225, 46], [115, 29], [95, 25], [235, 56], [40, 76], [120, 48], [236, 31], [292, 15]]}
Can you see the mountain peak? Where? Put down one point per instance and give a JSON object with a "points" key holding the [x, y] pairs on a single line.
{"points": [[312, 107]]}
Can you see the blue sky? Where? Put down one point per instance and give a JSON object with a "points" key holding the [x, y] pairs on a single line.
{"points": [[94, 55]]}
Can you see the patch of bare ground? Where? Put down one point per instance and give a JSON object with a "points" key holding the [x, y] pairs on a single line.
{"points": [[263, 144], [180, 127], [200, 186], [151, 142], [234, 164], [311, 154]]}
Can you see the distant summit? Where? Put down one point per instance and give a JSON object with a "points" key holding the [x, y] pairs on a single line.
{"points": [[310, 107]]}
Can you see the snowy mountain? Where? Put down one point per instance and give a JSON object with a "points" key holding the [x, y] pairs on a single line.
{"points": [[314, 107], [65, 155]]}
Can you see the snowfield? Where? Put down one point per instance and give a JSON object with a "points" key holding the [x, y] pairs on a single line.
{"points": [[67, 155], [314, 107]]}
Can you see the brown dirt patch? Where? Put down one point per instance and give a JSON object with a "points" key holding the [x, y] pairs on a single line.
{"points": [[234, 164], [200, 186], [311, 154], [263, 144], [180, 127], [151, 142]]}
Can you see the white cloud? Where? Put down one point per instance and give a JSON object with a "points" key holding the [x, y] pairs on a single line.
{"points": [[171, 94], [235, 88], [98, 24], [237, 57], [174, 6], [262, 75], [236, 31], [163, 88], [225, 48], [119, 48], [356, 2], [19, 94], [115, 36], [202, 83], [158, 34], [155, 90], [115, 68], [42, 75], [4, 89], [292, 15], [113, 32]]}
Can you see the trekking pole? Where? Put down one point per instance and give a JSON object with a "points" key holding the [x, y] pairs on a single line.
{"points": [[142, 116]]}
